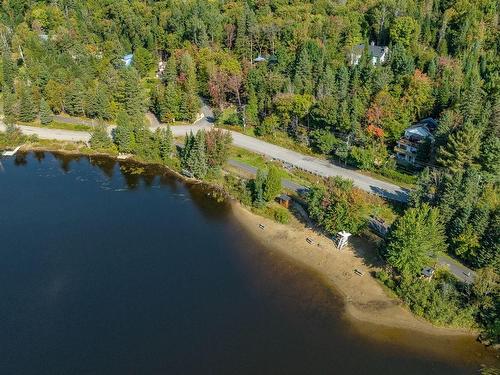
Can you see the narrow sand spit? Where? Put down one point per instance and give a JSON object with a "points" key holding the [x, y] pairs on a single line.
{"points": [[365, 299]]}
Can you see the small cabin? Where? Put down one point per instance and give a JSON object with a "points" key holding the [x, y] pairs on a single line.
{"points": [[284, 200], [427, 273]]}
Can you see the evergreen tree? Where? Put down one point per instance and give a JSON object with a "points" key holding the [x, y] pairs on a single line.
{"points": [[197, 161], [7, 72], [170, 73], [413, 239], [187, 149], [74, 102], [143, 61], [401, 61], [172, 102], [98, 103], [303, 73], [258, 188], [129, 93], [420, 194], [27, 108], [489, 252], [46, 115], [461, 150], [99, 138], [242, 40], [9, 107], [272, 186], [165, 143], [124, 133]]}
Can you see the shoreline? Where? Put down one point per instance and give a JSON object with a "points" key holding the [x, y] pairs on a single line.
{"points": [[365, 299]]}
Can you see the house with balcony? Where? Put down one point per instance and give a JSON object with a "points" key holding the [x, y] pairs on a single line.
{"points": [[406, 148]]}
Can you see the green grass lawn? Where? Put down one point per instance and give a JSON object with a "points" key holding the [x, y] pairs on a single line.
{"points": [[59, 125]]}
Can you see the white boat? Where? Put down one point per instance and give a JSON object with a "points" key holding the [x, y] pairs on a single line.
{"points": [[11, 153]]}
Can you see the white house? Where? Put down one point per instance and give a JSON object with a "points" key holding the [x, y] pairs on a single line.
{"points": [[378, 54], [407, 147]]}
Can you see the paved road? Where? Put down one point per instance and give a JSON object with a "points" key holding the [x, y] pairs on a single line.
{"points": [[321, 167], [460, 271], [57, 134], [310, 164]]}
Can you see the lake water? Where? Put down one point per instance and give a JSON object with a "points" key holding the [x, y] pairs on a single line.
{"points": [[119, 269]]}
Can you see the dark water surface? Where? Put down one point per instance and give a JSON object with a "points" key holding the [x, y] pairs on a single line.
{"points": [[107, 271]]}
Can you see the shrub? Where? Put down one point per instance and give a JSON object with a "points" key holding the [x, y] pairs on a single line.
{"points": [[100, 140], [438, 301], [324, 141], [282, 215], [398, 176], [337, 207], [386, 278]]}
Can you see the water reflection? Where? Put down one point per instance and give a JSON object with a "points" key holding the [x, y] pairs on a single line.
{"points": [[20, 159], [162, 280]]}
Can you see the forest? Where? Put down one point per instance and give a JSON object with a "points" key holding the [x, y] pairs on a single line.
{"points": [[342, 79]]}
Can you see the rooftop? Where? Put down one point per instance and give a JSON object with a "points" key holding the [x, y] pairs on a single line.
{"points": [[127, 59], [427, 271], [284, 197], [259, 59], [375, 51]]}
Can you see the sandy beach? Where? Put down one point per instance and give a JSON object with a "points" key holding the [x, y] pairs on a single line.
{"points": [[366, 300]]}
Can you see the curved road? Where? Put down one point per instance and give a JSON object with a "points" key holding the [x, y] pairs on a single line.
{"points": [[310, 164]]}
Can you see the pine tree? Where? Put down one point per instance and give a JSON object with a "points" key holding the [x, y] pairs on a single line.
{"points": [[27, 108], [420, 194], [303, 81], [99, 138], [401, 61], [9, 107], [7, 72], [272, 185], [258, 188], [130, 94], [124, 133], [74, 102], [143, 61], [197, 161], [46, 115], [342, 82], [186, 150], [489, 252], [170, 73], [461, 150], [165, 143], [98, 103]]}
